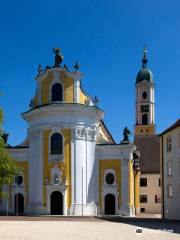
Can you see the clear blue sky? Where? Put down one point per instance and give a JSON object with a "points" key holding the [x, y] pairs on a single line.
{"points": [[107, 38]]}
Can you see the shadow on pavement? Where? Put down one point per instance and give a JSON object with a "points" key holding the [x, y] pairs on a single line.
{"points": [[151, 223]]}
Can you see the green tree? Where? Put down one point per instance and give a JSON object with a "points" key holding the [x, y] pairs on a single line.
{"points": [[8, 168]]}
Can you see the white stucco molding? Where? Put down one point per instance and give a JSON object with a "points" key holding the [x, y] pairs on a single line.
{"points": [[112, 171], [20, 154], [120, 151], [66, 113], [60, 188]]}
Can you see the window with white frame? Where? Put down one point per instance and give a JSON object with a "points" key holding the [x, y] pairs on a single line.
{"points": [[56, 144], [169, 144], [110, 178], [170, 190], [169, 168], [18, 179]]}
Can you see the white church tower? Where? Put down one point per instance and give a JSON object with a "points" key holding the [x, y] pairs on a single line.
{"points": [[144, 100]]}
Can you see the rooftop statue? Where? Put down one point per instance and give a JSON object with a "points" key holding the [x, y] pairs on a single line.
{"points": [[58, 57], [126, 134]]}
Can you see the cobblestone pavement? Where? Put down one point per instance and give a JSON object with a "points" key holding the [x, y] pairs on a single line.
{"points": [[72, 228]]}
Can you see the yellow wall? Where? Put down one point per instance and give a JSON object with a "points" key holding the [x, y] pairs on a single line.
{"points": [[67, 83], [67, 153], [144, 128], [64, 166], [137, 190], [109, 164], [83, 97], [35, 100]]}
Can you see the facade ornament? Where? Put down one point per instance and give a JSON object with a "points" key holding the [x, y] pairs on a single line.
{"points": [[145, 59], [47, 67], [136, 157], [87, 102], [88, 134], [31, 104], [95, 101], [80, 133], [91, 135], [76, 66], [58, 57], [66, 67], [40, 69]]}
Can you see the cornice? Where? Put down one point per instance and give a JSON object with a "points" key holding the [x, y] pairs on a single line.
{"points": [[63, 109]]}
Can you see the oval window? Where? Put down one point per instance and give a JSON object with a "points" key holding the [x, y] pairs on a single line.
{"points": [[110, 178], [18, 180]]}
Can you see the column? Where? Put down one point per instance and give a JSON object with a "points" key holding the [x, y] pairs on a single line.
{"points": [[83, 193], [124, 207], [137, 192], [35, 203]]}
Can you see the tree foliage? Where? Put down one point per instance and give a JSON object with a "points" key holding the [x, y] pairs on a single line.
{"points": [[8, 168]]}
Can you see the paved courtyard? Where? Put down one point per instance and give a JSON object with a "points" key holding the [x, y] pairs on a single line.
{"points": [[52, 228]]}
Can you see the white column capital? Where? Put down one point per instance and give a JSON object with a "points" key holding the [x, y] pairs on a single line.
{"points": [[88, 134]]}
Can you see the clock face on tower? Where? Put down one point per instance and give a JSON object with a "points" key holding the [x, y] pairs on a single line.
{"points": [[144, 95]]}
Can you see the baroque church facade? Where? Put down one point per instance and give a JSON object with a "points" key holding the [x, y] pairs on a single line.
{"points": [[70, 163]]}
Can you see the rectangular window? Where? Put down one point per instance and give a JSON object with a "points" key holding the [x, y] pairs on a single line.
{"points": [[169, 144], [143, 198], [159, 182], [144, 108], [143, 182], [142, 209], [170, 191], [169, 168]]}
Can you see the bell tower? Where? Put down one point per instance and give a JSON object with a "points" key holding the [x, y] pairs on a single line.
{"points": [[144, 86]]}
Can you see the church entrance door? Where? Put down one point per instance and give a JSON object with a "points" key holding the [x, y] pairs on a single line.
{"points": [[110, 204], [19, 203], [56, 203]]}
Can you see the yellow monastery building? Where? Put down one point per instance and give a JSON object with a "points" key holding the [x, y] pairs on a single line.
{"points": [[70, 163]]}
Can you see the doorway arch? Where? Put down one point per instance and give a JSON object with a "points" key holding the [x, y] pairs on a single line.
{"points": [[56, 203], [110, 204], [19, 203]]}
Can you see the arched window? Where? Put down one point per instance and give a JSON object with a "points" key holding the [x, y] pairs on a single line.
{"points": [[56, 144], [56, 92], [144, 119]]}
